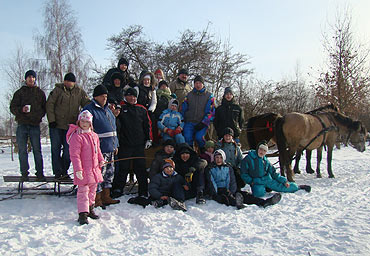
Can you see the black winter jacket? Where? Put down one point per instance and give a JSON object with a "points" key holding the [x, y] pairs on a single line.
{"points": [[228, 114], [162, 185]]}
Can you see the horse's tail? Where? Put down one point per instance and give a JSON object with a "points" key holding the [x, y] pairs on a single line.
{"points": [[281, 143]]}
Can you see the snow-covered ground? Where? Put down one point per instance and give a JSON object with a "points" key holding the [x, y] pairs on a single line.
{"points": [[334, 219]]}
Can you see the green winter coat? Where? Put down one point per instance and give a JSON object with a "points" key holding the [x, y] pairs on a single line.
{"points": [[64, 105]]}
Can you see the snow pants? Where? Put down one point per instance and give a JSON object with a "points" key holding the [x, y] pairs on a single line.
{"points": [[259, 190], [86, 196], [190, 133], [107, 172]]}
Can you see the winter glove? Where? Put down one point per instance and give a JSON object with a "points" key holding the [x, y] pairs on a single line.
{"points": [[199, 126], [178, 130], [53, 125], [189, 175], [148, 144], [171, 132], [79, 175]]}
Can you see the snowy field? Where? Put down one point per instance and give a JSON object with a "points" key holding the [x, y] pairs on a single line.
{"points": [[334, 219]]}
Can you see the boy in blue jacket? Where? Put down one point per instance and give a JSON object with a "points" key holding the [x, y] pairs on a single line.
{"points": [[258, 172], [171, 123]]}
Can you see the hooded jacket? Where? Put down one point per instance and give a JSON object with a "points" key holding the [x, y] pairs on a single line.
{"points": [[33, 96], [194, 161], [85, 154], [147, 96], [228, 114], [126, 78], [64, 105], [170, 119]]}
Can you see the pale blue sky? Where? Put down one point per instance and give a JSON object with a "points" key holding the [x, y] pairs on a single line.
{"points": [[275, 34]]}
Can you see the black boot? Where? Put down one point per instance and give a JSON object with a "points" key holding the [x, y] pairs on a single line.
{"points": [[92, 213], [158, 203], [305, 187], [40, 177], [25, 177], [272, 200], [82, 218], [239, 199], [200, 198], [177, 205]]}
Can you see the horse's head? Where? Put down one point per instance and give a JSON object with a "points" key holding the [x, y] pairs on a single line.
{"points": [[357, 136]]}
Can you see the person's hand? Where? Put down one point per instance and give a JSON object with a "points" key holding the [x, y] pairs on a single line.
{"points": [[101, 164], [53, 125], [178, 130], [79, 175], [171, 132], [287, 185], [148, 144], [164, 197], [186, 187], [199, 126]]}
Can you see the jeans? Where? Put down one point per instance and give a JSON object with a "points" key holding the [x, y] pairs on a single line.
{"points": [[25, 131], [59, 143]]}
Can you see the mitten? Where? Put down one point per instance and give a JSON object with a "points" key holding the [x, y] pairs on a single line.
{"points": [[79, 175]]}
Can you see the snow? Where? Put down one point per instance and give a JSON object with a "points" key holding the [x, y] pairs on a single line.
{"points": [[331, 220]]}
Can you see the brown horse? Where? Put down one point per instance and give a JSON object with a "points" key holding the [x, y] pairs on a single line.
{"points": [[260, 128], [296, 131]]}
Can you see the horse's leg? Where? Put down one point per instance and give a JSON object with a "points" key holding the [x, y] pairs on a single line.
{"points": [[308, 161], [297, 159], [289, 170], [319, 157], [330, 157]]}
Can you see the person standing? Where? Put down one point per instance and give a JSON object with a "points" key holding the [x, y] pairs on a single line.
{"points": [[181, 87], [228, 114], [104, 124], [198, 110], [122, 69], [62, 107], [134, 136], [28, 106]]}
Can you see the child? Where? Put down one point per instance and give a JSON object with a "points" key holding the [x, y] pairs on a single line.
{"points": [[163, 97], [258, 172], [223, 187], [87, 160], [171, 123], [168, 187], [208, 153]]}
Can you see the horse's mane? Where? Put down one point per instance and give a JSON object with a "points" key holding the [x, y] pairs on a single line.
{"points": [[345, 120], [323, 109]]}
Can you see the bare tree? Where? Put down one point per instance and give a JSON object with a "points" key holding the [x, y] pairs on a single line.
{"points": [[346, 82], [61, 43]]}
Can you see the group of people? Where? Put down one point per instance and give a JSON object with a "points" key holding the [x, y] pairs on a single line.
{"points": [[125, 117]]}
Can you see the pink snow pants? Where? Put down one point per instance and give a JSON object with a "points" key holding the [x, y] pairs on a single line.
{"points": [[86, 197]]}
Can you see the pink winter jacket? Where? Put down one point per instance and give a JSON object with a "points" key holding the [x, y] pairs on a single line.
{"points": [[85, 154]]}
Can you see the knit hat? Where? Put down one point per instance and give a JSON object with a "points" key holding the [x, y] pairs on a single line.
{"points": [[229, 131], [116, 75], [183, 71], [158, 71], [168, 162], [209, 144], [173, 102], [162, 83], [131, 92], [199, 78], [100, 90], [222, 153], [184, 148], [123, 61], [169, 142], [85, 116], [70, 77], [30, 73], [228, 90], [263, 145], [147, 77]]}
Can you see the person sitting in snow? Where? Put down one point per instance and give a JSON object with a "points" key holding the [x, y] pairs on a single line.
{"points": [[87, 160], [171, 123], [223, 188], [168, 187], [258, 172], [166, 152]]}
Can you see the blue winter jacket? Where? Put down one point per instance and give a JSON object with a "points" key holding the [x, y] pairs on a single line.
{"points": [[234, 155], [257, 170], [104, 123], [170, 119], [222, 177]]}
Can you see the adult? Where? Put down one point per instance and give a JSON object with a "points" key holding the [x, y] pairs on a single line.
{"points": [[62, 107], [198, 110], [104, 124], [115, 88], [181, 87], [122, 68], [191, 167], [134, 134], [28, 106], [166, 152], [228, 114], [259, 173], [159, 75]]}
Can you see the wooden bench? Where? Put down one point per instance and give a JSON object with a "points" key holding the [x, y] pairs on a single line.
{"points": [[49, 179]]}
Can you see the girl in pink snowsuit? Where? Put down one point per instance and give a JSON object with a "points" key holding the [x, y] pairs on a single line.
{"points": [[87, 160]]}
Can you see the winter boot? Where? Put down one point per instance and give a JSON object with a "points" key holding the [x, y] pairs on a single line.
{"points": [[177, 205], [92, 213], [98, 201], [40, 177], [82, 218], [200, 198], [305, 187], [239, 199], [158, 203], [272, 200], [106, 199], [25, 177]]}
